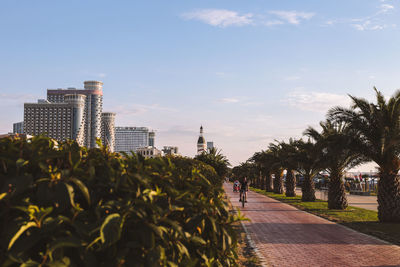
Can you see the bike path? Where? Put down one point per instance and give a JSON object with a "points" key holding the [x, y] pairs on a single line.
{"points": [[286, 236]]}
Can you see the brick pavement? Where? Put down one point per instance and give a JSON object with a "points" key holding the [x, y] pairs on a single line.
{"points": [[286, 236]]}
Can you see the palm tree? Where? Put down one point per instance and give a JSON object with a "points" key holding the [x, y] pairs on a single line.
{"points": [[276, 165], [267, 161], [336, 141], [378, 128], [287, 155], [261, 160], [245, 169], [217, 160], [308, 158]]}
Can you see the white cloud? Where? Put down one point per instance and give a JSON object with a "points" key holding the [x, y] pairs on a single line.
{"points": [[372, 22], [292, 17], [229, 100], [316, 101], [222, 74], [384, 8], [292, 78], [220, 17], [369, 25], [273, 22]]}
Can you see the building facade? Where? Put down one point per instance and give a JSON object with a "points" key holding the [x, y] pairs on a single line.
{"points": [[152, 135], [129, 139], [18, 127], [72, 113], [149, 152], [93, 90], [170, 150], [210, 145], [52, 119], [108, 130]]}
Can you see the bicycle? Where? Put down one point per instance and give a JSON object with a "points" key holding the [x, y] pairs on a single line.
{"points": [[243, 198]]}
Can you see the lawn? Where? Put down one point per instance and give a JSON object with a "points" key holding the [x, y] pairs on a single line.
{"points": [[362, 220]]}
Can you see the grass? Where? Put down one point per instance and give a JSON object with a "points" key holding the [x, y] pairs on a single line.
{"points": [[246, 254], [362, 220]]}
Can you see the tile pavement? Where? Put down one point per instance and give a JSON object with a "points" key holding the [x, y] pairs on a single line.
{"points": [[286, 236]]}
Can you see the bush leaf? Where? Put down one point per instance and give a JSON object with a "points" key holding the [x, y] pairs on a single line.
{"points": [[20, 232], [82, 187], [110, 230]]}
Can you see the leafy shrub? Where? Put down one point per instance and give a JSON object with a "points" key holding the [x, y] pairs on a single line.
{"points": [[64, 205]]}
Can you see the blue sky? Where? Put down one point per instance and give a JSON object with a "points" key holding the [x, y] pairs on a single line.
{"points": [[249, 71]]}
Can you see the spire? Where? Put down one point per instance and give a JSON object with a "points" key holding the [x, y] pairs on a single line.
{"points": [[201, 142]]}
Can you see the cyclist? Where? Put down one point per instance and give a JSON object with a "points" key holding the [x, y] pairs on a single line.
{"points": [[244, 187], [236, 185]]}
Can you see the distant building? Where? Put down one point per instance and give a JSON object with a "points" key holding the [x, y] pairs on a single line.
{"points": [[93, 107], [201, 142], [170, 150], [71, 114], [131, 138], [151, 138], [108, 130], [61, 121], [210, 145], [18, 128], [148, 152]]}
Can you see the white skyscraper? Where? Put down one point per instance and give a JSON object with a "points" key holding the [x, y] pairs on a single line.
{"points": [[131, 138]]}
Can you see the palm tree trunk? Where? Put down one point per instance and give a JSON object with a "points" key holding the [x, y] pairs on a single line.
{"points": [[308, 189], [336, 193], [278, 188], [268, 183], [262, 186], [290, 184], [389, 197]]}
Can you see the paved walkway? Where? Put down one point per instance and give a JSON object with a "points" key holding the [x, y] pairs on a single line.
{"points": [[365, 202], [286, 236]]}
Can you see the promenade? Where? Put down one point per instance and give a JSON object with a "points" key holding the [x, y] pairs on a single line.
{"points": [[286, 236]]}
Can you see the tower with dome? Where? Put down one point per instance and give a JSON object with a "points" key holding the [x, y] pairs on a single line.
{"points": [[201, 143]]}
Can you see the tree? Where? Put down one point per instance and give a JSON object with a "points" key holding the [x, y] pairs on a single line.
{"points": [[262, 161], [287, 155], [378, 129], [245, 169], [276, 165], [336, 141], [308, 158], [217, 160]]}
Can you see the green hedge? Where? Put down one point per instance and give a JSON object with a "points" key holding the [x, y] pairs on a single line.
{"points": [[64, 205]]}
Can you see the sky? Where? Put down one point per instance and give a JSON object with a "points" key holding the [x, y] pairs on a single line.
{"points": [[249, 71]]}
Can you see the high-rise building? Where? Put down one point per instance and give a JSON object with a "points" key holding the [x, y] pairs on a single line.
{"points": [[201, 142], [93, 90], [71, 114], [60, 121], [129, 139], [18, 127], [108, 129], [152, 134], [210, 145]]}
